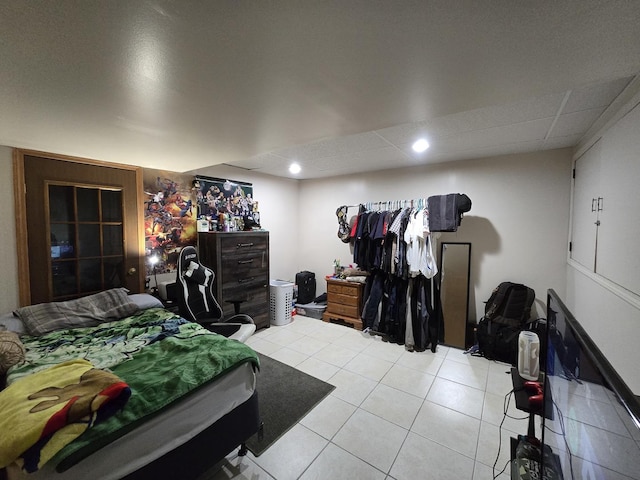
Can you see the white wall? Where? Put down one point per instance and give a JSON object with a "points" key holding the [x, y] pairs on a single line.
{"points": [[9, 278], [611, 322], [277, 197], [518, 224], [518, 227], [278, 202]]}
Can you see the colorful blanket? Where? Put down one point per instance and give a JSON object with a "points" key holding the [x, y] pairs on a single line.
{"points": [[161, 356], [43, 412]]}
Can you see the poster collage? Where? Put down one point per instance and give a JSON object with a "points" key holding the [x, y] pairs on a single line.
{"points": [[177, 206]]}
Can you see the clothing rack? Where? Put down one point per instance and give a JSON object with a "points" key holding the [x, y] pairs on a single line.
{"points": [[395, 204], [390, 205]]}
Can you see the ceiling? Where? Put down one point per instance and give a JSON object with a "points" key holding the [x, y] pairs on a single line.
{"points": [[338, 86]]}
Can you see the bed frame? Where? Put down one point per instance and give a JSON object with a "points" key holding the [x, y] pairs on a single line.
{"points": [[191, 459]]}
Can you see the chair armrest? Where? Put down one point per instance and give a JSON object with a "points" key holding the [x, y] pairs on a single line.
{"points": [[239, 318]]}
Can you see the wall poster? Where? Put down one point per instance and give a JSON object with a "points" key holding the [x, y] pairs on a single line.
{"points": [[169, 219], [218, 198]]}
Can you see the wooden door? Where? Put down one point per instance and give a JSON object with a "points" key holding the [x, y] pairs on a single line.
{"points": [[78, 227]]}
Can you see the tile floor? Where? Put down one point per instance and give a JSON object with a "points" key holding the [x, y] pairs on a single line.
{"points": [[394, 414]]}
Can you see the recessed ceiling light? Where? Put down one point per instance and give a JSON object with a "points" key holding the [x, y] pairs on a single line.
{"points": [[420, 145], [294, 168]]}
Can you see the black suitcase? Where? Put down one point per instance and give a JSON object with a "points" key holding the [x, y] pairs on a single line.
{"points": [[306, 282]]}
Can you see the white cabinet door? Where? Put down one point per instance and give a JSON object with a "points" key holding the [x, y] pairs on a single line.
{"points": [[585, 216], [618, 257]]}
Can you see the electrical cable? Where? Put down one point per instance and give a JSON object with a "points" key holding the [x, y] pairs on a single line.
{"points": [[505, 408]]}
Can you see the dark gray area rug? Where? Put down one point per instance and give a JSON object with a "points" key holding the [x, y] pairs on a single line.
{"points": [[285, 395]]}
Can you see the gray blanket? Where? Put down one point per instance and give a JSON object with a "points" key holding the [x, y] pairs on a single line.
{"points": [[87, 311]]}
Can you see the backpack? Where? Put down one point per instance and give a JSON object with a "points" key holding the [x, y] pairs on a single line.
{"points": [[506, 314]]}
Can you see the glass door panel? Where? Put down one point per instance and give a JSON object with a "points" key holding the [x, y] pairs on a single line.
{"points": [[111, 206], [64, 278], [88, 205], [63, 240], [86, 239], [90, 275], [113, 271], [89, 240], [112, 239], [61, 203]]}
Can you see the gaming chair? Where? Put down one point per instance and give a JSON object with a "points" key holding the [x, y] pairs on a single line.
{"points": [[197, 303]]}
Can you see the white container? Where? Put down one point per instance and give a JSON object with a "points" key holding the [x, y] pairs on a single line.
{"points": [[528, 355], [202, 225], [281, 298], [312, 310]]}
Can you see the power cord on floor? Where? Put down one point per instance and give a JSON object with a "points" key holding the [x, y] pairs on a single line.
{"points": [[505, 406]]}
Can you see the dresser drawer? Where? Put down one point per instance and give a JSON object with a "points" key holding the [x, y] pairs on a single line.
{"points": [[238, 243], [341, 299], [236, 286], [343, 288], [252, 300], [247, 264]]}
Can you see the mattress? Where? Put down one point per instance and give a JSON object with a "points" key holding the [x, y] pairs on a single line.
{"points": [[182, 379], [179, 423]]}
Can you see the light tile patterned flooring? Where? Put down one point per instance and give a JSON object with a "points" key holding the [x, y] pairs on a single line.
{"points": [[394, 414]]}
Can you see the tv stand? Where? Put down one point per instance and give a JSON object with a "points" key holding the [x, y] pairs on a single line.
{"points": [[546, 410], [522, 400]]}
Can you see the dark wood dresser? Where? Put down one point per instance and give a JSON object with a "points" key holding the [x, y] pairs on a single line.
{"points": [[240, 261]]}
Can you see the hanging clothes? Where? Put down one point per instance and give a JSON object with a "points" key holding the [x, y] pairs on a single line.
{"points": [[399, 299], [423, 320]]}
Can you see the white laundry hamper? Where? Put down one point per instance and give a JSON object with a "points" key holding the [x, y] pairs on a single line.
{"points": [[281, 300]]}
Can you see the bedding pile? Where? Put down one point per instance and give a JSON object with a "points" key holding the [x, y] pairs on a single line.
{"points": [[160, 356], [44, 412]]}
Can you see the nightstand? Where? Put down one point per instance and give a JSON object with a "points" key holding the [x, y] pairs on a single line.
{"points": [[344, 302]]}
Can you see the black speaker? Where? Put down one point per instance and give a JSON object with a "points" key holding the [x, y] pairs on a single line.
{"points": [[306, 282], [168, 291]]}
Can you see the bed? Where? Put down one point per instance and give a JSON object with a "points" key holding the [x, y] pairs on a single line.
{"points": [[191, 394]]}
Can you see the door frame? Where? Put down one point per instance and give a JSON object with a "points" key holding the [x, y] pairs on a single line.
{"points": [[20, 192]]}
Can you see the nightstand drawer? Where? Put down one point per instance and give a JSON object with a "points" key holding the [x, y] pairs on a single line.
{"points": [[344, 288], [342, 299], [346, 310]]}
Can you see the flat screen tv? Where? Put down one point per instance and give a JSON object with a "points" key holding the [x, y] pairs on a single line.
{"points": [[595, 430]]}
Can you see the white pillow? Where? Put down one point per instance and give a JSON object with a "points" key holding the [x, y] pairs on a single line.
{"points": [[11, 323], [144, 301]]}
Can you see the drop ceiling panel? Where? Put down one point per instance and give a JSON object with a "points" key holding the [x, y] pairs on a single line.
{"points": [[562, 142], [594, 96], [332, 147], [508, 134], [259, 161], [386, 157], [259, 84], [574, 123], [479, 119], [505, 149]]}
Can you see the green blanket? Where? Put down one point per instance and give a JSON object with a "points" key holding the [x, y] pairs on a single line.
{"points": [[159, 355]]}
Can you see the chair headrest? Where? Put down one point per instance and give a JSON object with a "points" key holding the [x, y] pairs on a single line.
{"points": [[199, 274]]}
